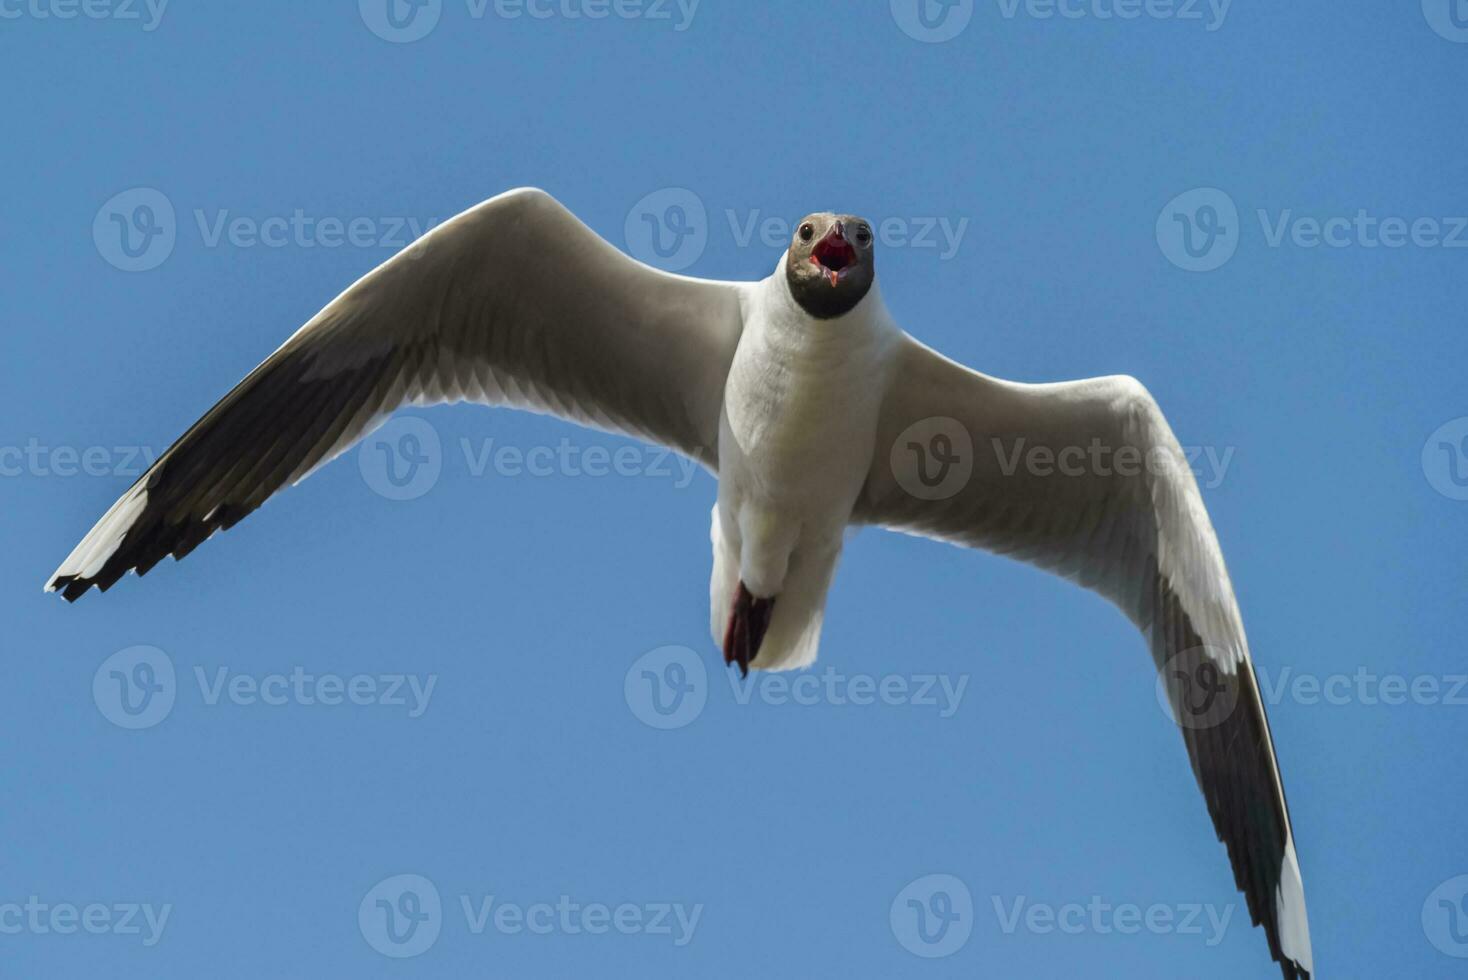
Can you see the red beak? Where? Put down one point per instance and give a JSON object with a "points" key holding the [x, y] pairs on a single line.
{"points": [[834, 254]]}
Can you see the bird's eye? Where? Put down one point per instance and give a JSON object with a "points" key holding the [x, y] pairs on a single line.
{"points": [[807, 232], [864, 234]]}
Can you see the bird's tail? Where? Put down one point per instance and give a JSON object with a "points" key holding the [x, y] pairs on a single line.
{"points": [[792, 635]]}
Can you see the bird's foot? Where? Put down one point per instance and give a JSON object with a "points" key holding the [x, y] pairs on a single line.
{"points": [[748, 622]]}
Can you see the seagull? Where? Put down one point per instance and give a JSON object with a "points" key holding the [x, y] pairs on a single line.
{"points": [[815, 411]]}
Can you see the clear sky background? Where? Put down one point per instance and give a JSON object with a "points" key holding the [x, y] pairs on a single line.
{"points": [[1319, 377]]}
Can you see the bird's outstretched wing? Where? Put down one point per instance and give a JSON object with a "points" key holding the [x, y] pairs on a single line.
{"points": [[514, 302], [1085, 479]]}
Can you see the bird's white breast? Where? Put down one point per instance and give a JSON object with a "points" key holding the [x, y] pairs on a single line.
{"points": [[801, 402]]}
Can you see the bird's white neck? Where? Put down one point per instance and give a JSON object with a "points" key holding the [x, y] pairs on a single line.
{"points": [[784, 326]]}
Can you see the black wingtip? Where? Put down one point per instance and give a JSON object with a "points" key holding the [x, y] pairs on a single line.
{"points": [[70, 587]]}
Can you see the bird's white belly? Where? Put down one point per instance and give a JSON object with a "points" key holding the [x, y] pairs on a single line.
{"points": [[797, 444], [795, 447]]}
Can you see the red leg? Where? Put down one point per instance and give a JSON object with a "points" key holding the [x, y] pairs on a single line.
{"points": [[749, 620]]}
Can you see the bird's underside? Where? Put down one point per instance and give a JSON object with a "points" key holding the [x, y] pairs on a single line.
{"points": [[484, 309]]}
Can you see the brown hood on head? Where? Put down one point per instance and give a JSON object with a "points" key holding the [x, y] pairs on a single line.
{"points": [[831, 264]]}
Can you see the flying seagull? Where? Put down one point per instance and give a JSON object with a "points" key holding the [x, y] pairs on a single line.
{"points": [[814, 410]]}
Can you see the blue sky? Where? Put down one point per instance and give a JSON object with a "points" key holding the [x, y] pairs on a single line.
{"points": [[1032, 170]]}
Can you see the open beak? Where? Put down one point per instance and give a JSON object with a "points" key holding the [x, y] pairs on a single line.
{"points": [[834, 254]]}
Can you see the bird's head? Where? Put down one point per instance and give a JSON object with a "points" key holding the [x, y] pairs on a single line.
{"points": [[831, 264]]}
